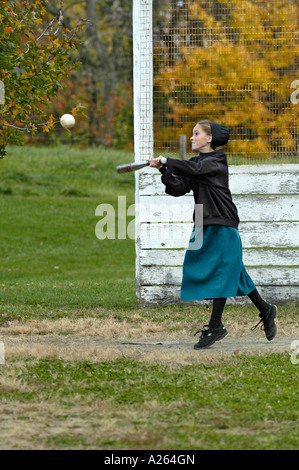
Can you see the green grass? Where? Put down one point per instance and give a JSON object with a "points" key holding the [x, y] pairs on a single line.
{"points": [[54, 267], [49, 252], [66, 171], [245, 403]]}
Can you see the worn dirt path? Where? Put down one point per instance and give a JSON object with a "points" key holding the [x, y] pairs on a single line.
{"points": [[105, 341]]}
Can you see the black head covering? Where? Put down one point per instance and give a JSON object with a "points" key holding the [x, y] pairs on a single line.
{"points": [[220, 134]]}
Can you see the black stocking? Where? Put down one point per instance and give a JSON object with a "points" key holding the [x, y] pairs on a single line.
{"points": [[218, 307], [260, 303]]}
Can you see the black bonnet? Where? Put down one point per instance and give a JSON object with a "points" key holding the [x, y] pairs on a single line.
{"points": [[220, 134]]}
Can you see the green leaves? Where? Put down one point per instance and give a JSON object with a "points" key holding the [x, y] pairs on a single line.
{"points": [[34, 60]]}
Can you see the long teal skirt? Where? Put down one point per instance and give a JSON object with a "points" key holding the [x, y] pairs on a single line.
{"points": [[215, 270]]}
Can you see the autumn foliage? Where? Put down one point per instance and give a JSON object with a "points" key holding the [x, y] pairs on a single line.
{"points": [[34, 61], [231, 61]]}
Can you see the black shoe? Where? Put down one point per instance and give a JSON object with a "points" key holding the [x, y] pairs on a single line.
{"points": [[209, 336], [269, 325]]}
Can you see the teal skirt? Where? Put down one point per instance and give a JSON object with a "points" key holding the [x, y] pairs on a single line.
{"points": [[215, 270]]}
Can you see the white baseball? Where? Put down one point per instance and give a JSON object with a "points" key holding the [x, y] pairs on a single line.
{"points": [[67, 121]]}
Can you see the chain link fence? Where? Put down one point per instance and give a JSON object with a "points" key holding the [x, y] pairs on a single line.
{"points": [[234, 62]]}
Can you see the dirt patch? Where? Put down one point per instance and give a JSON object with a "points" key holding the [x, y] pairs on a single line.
{"points": [[48, 424], [103, 340]]}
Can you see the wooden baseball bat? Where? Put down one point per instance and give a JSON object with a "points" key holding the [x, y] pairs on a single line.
{"points": [[127, 167]]}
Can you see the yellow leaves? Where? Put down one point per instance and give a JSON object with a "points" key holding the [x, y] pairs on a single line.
{"points": [[78, 111], [197, 12], [8, 30], [53, 42], [34, 66], [238, 69], [252, 148], [49, 124], [37, 5]]}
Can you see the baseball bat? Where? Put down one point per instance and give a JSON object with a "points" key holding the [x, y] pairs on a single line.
{"points": [[127, 167]]}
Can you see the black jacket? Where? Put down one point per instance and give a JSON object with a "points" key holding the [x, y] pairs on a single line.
{"points": [[207, 176]]}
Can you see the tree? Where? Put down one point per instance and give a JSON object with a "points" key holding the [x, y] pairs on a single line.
{"points": [[34, 61], [105, 80]]}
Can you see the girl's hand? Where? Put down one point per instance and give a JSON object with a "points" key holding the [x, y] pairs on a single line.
{"points": [[155, 162]]}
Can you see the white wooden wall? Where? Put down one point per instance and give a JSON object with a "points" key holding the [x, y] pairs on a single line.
{"points": [[268, 203], [266, 196]]}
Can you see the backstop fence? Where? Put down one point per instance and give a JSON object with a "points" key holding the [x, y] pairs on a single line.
{"points": [[235, 62], [230, 61]]}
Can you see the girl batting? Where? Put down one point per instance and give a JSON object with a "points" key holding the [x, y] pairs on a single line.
{"points": [[215, 270]]}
